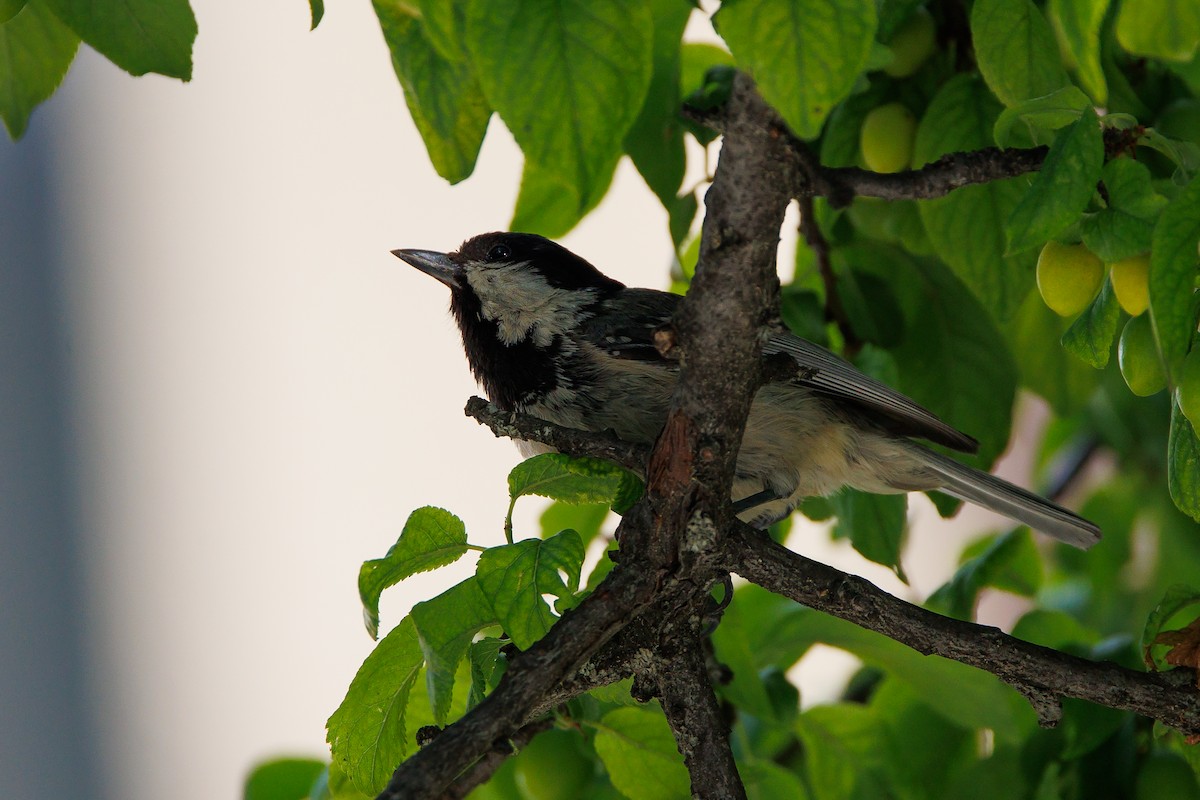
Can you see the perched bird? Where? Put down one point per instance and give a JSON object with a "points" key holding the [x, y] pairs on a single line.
{"points": [[548, 334]]}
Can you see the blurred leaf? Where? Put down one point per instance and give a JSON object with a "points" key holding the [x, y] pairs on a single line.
{"points": [[843, 752], [655, 142], [445, 627], [874, 524], [1183, 464], [803, 313], [9, 9], [443, 96], [35, 52], [432, 538], [966, 226], [766, 780], [1050, 112], [1167, 29], [282, 779], [1009, 562], [583, 519], [1173, 259], [1090, 337], [367, 731], [514, 577], [804, 54], [550, 206], [870, 304], [639, 752], [593, 63], [1062, 187], [921, 748], [1124, 228], [1016, 50], [139, 36], [1080, 21], [681, 212], [1046, 368]]}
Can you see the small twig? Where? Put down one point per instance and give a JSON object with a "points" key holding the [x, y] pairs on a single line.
{"points": [[835, 312]]}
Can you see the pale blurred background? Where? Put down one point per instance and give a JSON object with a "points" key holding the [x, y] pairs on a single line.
{"points": [[221, 394]]}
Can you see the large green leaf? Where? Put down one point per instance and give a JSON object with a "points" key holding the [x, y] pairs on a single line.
{"points": [[1168, 29], [1183, 464], [367, 731], [445, 627], [568, 77], [1062, 187], [655, 142], [139, 36], [639, 752], [1125, 227], [571, 480], [966, 226], [514, 578], [432, 538], [843, 751], [1016, 50], [443, 96], [1173, 260], [549, 205], [805, 54], [35, 51], [874, 523], [1079, 22]]}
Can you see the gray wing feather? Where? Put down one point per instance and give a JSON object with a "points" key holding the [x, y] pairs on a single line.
{"points": [[832, 376]]}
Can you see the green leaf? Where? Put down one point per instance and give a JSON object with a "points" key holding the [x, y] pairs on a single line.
{"points": [[317, 9], [766, 780], [655, 142], [1124, 228], [570, 480], [1173, 257], [966, 227], [139, 36], [592, 63], [444, 22], [1049, 112], [1079, 23], [1183, 464], [1167, 29], [1009, 562], [874, 523], [843, 751], [1016, 51], [443, 96], [35, 51], [282, 779], [870, 304], [514, 577], [1062, 187], [366, 733], [432, 538], [804, 54], [445, 627], [1090, 337], [1175, 599], [1049, 370], [549, 205], [583, 519], [639, 752], [486, 668], [9, 9]]}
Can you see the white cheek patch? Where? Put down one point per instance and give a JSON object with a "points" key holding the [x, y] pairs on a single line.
{"points": [[523, 305]]}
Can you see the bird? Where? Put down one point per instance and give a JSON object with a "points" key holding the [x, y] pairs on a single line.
{"points": [[548, 334]]}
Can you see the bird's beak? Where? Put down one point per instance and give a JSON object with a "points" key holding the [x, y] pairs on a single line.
{"points": [[438, 265]]}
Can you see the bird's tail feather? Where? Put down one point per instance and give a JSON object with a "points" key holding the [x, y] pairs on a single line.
{"points": [[975, 486]]}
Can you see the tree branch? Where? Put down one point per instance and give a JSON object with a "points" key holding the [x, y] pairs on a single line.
{"points": [[1041, 674]]}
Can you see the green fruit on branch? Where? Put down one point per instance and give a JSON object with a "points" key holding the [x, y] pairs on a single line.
{"points": [[1131, 282], [912, 44], [1137, 354], [886, 138], [1068, 277]]}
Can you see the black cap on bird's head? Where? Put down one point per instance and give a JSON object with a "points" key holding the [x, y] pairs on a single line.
{"points": [[558, 266]]}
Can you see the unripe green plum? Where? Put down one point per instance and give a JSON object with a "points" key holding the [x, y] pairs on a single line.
{"points": [[1068, 277], [1188, 393], [886, 138], [1137, 354], [912, 44], [553, 767], [1131, 282]]}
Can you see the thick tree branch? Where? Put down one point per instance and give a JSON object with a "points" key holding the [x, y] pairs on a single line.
{"points": [[1041, 674]]}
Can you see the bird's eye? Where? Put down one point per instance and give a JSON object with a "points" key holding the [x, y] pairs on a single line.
{"points": [[500, 252]]}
